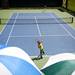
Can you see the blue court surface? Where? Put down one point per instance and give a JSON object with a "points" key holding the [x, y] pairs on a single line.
{"points": [[24, 29]]}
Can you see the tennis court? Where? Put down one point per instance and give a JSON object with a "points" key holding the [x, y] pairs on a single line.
{"points": [[24, 29]]}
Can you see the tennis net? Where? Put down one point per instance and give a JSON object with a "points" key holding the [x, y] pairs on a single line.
{"points": [[37, 21]]}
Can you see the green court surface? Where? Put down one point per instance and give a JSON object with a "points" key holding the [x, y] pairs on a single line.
{"points": [[6, 14]]}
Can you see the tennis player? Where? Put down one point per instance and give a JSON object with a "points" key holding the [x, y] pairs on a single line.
{"points": [[41, 48]]}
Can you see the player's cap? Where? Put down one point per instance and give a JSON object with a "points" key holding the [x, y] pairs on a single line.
{"points": [[38, 41]]}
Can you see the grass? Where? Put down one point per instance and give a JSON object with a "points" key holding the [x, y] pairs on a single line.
{"points": [[40, 62], [4, 15]]}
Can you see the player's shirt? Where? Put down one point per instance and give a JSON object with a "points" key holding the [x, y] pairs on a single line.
{"points": [[40, 46]]}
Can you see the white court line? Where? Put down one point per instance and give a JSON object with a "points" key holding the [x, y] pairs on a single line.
{"points": [[65, 29], [38, 26], [56, 35], [38, 36], [11, 29], [5, 25]]}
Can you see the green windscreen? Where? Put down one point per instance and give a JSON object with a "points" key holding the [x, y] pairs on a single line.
{"points": [[71, 5]]}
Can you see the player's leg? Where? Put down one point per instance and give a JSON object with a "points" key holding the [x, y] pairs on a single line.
{"points": [[40, 55]]}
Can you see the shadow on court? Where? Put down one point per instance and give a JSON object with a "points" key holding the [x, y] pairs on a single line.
{"points": [[36, 58]]}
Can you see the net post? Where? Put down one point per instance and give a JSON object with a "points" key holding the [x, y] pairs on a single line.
{"points": [[72, 19]]}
